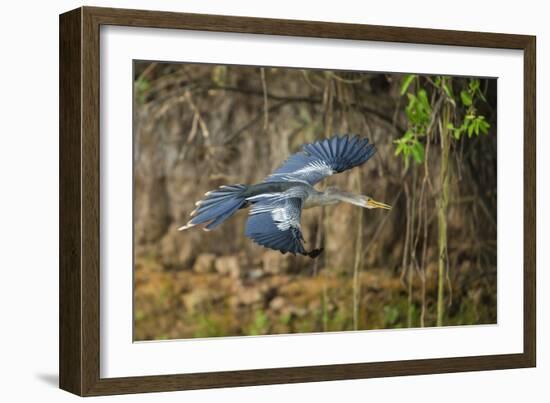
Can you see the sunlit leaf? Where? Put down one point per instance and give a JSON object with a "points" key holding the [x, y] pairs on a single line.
{"points": [[407, 80], [142, 85], [470, 129], [423, 98], [219, 74], [448, 90], [466, 98], [399, 148], [484, 126], [417, 151]]}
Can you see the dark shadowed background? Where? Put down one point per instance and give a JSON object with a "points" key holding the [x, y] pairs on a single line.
{"points": [[197, 127]]}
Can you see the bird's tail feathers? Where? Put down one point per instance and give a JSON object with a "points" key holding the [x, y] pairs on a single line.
{"points": [[217, 206]]}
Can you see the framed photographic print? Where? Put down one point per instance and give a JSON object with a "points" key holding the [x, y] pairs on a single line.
{"points": [[249, 201]]}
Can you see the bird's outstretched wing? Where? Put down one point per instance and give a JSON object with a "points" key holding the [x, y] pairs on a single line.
{"points": [[274, 223], [323, 158]]}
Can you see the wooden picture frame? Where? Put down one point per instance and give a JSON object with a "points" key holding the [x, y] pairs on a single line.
{"points": [[79, 201]]}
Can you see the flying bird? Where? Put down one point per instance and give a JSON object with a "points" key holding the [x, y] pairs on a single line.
{"points": [[276, 204]]}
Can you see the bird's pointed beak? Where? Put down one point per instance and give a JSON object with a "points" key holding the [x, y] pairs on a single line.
{"points": [[376, 204]]}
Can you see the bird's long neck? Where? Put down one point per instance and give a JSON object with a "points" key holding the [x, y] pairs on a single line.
{"points": [[351, 198], [328, 198], [317, 198]]}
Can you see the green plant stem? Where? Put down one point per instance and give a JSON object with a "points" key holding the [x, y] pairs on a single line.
{"points": [[357, 262], [443, 201], [410, 309]]}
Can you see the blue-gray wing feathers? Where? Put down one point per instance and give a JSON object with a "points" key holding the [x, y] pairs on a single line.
{"points": [[275, 223], [323, 158]]}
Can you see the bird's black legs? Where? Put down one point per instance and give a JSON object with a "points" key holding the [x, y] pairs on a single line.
{"points": [[314, 253]]}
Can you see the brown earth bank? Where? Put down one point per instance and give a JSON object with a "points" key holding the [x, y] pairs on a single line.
{"points": [[231, 296]]}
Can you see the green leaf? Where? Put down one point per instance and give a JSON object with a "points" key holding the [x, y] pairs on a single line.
{"points": [[417, 151], [466, 98], [142, 85], [454, 130], [484, 126], [399, 148], [476, 126], [219, 75], [423, 98], [407, 80], [470, 129], [448, 90]]}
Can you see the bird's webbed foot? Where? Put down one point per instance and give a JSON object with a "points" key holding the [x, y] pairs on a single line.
{"points": [[314, 253]]}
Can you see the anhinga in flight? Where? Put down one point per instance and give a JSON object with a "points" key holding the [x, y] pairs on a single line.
{"points": [[276, 203]]}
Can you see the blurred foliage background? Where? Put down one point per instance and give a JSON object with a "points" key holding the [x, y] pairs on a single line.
{"points": [[431, 261]]}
